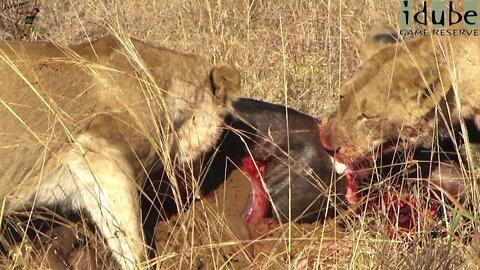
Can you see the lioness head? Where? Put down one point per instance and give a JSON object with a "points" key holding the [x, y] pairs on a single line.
{"points": [[397, 97], [200, 131]]}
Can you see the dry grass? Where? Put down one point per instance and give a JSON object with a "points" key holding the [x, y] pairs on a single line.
{"points": [[307, 46], [289, 52]]}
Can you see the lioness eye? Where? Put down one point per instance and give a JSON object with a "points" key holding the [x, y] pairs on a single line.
{"points": [[360, 117], [365, 115], [427, 92]]}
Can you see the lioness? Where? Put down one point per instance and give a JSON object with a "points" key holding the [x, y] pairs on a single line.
{"points": [[406, 92], [82, 125], [405, 95]]}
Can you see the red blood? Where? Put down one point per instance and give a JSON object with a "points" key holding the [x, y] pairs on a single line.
{"points": [[353, 184], [403, 208], [403, 211], [259, 203], [323, 138]]}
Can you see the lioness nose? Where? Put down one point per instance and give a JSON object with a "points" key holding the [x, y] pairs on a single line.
{"points": [[326, 139]]}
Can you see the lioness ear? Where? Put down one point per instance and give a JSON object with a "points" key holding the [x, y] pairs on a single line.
{"points": [[378, 38], [226, 83]]}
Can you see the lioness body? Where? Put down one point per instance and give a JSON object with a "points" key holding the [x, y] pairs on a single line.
{"points": [[81, 125], [403, 93]]}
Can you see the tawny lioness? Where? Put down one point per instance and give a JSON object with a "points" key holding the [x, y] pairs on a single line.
{"points": [[82, 125]]}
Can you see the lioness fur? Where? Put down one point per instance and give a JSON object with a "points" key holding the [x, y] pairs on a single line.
{"points": [[81, 126], [406, 92]]}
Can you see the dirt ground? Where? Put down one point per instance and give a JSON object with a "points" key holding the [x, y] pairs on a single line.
{"points": [[244, 246], [290, 52], [211, 234]]}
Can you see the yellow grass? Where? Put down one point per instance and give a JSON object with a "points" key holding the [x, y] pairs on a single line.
{"points": [[295, 53]]}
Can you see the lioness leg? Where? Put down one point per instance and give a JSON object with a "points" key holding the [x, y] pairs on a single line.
{"points": [[106, 190]]}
